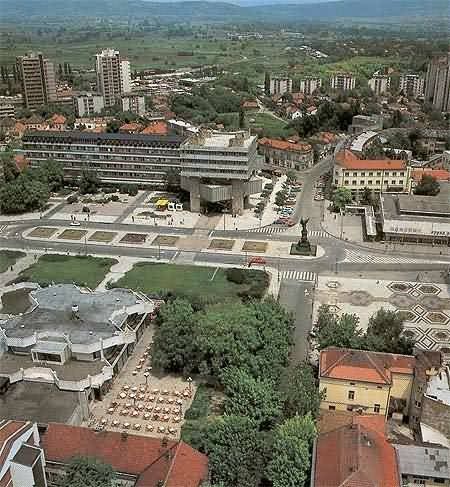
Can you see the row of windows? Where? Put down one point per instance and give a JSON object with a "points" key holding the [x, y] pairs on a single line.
{"points": [[376, 408], [371, 173], [371, 183]]}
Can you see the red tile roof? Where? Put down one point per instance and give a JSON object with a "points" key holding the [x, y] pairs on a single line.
{"points": [[176, 464], [250, 104], [439, 174], [21, 162], [157, 128], [356, 455], [58, 119], [283, 145], [361, 365], [348, 160], [130, 127]]}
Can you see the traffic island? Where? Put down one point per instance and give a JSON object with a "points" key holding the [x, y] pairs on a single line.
{"points": [[250, 246], [301, 249]]}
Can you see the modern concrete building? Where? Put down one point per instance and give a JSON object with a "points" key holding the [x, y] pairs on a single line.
{"points": [[426, 465], [87, 104], [363, 123], [7, 110], [416, 219], [116, 158], [286, 154], [437, 85], [343, 82], [37, 76], [309, 85], [22, 462], [412, 85], [280, 85], [73, 338], [219, 167], [113, 76], [380, 84], [381, 176], [133, 103]]}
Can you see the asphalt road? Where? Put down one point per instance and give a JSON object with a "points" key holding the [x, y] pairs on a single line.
{"points": [[297, 297]]}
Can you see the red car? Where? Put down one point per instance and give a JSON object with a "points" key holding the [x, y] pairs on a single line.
{"points": [[256, 260]]}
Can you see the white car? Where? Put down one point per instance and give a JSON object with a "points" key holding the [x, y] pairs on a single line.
{"points": [[75, 223]]}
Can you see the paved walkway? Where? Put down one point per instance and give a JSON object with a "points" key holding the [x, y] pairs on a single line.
{"points": [[130, 209], [18, 267], [117, 271]]}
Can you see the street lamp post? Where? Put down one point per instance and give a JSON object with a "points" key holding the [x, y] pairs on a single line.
{"points": [[189, 381], [159, 251]]}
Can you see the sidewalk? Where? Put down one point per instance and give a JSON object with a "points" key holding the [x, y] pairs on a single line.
{"points": [[351, 228]]}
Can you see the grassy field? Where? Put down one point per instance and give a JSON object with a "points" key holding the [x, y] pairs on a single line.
{"points": [[270, 125], [82, 270], [191, 281], [9, 258]]}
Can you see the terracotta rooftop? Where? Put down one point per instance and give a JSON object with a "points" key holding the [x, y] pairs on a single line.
{"points": [[176, 464], [364, 366], [439, 174], [283, 145], [58, 119], [132, 126], [157, 128], [21, 162], [348, 160], [356, 455]]}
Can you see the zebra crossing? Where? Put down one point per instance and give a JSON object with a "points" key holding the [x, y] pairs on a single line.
{"points": [[299, 275], [269, 229], [318, 233], [356, 257]]}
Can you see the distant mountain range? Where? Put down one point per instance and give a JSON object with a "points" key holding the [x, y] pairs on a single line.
{"points": [[218, 11]]}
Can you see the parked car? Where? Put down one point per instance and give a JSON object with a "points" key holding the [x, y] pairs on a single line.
{"points": [[256, 260], [75, 223]]}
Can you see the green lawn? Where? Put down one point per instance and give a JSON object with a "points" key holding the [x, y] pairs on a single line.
{"points": [[82, 270], [191, 281], [9, 258], [271, 126]]}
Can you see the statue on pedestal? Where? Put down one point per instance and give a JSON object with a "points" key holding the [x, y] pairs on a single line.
{"points": [[304, 239], [303, 247]]}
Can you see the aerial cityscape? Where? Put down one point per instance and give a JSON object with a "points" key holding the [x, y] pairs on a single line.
{"points": [[224, 243]]}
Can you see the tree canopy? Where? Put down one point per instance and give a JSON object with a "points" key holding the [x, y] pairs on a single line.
{"points": [[23, 194], [384, 332], [291, 460], [300, 391], [233, 445], [88, 472], [211, 339], [428, 186], [341, 197]]}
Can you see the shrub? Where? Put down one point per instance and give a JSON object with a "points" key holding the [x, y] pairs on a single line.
{"points": [[115, 197], [72, 199], [236, 275]]}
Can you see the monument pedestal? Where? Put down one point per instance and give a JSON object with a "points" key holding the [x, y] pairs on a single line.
{"points": [[303, 249]]}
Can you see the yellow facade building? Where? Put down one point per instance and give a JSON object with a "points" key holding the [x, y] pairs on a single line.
{"points": [[365, 382]]}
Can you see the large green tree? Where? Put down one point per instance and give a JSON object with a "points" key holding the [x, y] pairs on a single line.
{"points": [[255, 398], [89, 182], [341, 197], [173, 339], [291, 460], [337, 331], [385, 333], [88, 472], [51, 173], [300, 391], [233, 445], [428, 186], [23, 194]]}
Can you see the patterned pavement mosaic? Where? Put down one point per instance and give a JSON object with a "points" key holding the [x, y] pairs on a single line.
{"points": [[425, 306]]}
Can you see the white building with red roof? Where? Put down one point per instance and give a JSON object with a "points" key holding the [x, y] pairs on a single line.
{"points": [[379, 175]]}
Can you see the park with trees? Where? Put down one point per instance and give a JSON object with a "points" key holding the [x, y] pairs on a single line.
{"points": [[252, 404]]}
